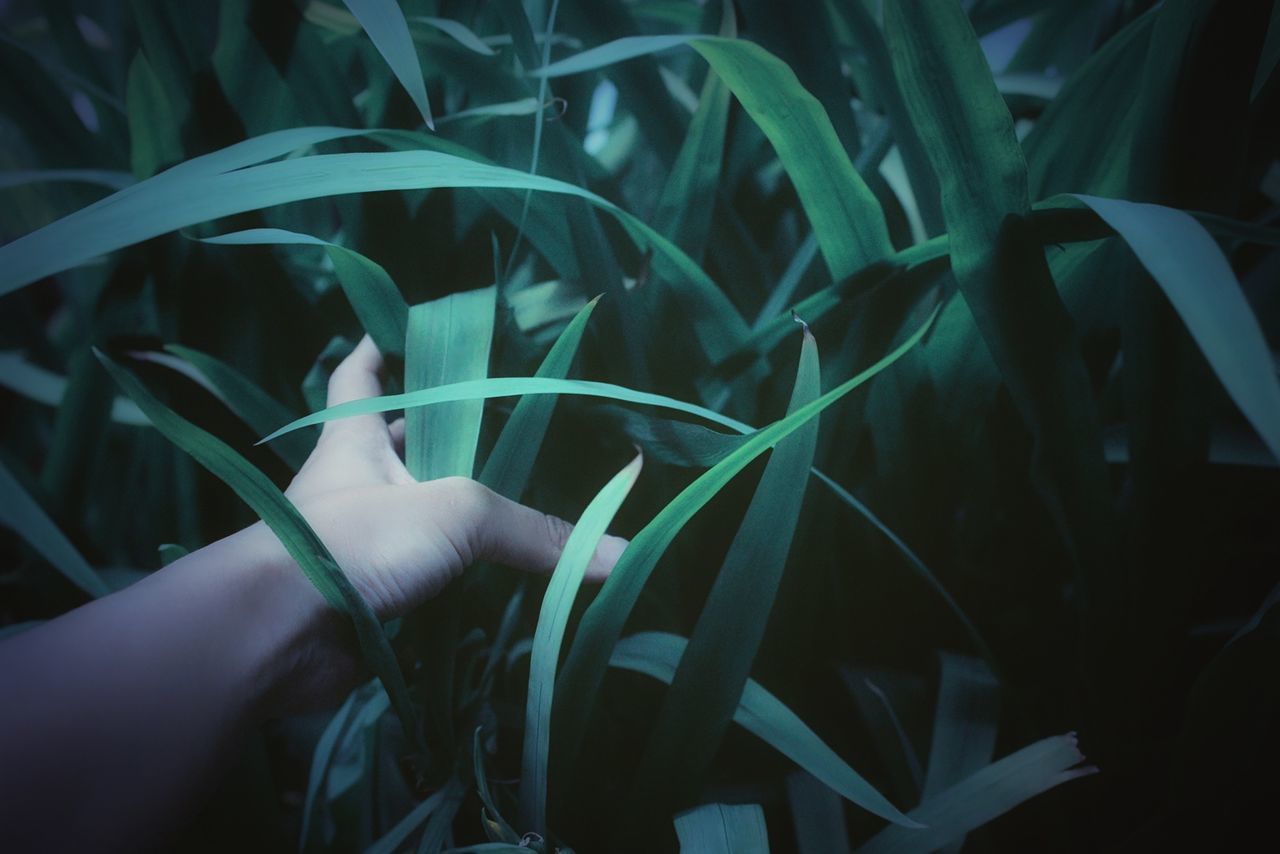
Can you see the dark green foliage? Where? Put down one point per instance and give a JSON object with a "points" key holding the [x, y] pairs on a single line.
{"points": [[1045, 456]]}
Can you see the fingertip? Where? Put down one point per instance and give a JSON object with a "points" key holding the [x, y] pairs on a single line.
{"points": [[608, 551]]}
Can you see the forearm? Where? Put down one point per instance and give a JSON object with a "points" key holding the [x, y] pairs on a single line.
{"points": [[149, 689]]}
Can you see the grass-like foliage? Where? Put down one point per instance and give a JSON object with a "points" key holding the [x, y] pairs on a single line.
{"points": [[1022, 509]]}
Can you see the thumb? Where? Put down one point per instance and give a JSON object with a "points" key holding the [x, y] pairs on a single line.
{"points": [[503, 531]]}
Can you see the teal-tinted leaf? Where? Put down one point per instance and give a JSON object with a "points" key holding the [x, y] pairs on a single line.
{"points": [[19, 511], [374, 297], [503, 387], [727, 636], [964, 726], [154, 141], [35, 383], [817, 814], [979, 798], [1001, 269], [603, 621], [688, 198], [311, 554], [507, 469], [165, 203], [1199, 282], [247, 400], [457, 31], [843, 212], [552, 621], [912, 559], [723, 829], [398, 835], [495, 824], [383, 21], [657, 654], [322, 757], [520, 107], [448, 342]]}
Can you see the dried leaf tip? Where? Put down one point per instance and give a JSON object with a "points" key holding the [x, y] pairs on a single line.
{"points": [[800, 321]]}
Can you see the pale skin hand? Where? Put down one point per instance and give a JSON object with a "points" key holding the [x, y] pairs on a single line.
{"points": [[115, 717]]}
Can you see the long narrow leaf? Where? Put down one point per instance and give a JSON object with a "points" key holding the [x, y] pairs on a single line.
{"points": [[657, 654], [845, 215], [374, 297], [727, 636], [19, 511], [552, 621], [603, 621], [448, 342], [507, 469], [723, 829], [389, 32], [991, 792], [1199, 282]]}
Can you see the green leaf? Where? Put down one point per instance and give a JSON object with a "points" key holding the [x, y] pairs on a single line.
{"points": [[983, 796], [311, 554], [1199, 282], [35, 383], [448, 342], [374, 297], [19, 511], [383, 21], [657, 654], [153, 127], [842, 210], [723, 829], [717, 663], [603, 621], [507, 469], [198, 190], [457, 31], [552, 621], [398, 835], [688, 198], [359, 704], [964, 726], [817, 814], [503, 387], [1001, 269], [249, 402]]}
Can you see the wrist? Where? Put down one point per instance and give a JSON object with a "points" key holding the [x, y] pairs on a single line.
{"points": [[298, 653]]}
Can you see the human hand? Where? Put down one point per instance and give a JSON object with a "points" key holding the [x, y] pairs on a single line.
{"points": [[399, 541]]}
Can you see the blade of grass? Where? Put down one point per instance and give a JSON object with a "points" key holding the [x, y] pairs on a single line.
{"points": [[247, 400], [507, 469], [1198, 280], [687, 202], [964, 726], [717, 662], [538, 120], [386, 27], [603, 621], [448, 342], [312, 556], [164, 203], [547, 638], [723, 829], [19, 511], [374, 297], [398, 835], [983, 796], [1002, 271], [841, 208], [657, 654]]}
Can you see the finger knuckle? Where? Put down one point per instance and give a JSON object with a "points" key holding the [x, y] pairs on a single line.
{"points": [[558, 531]]}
